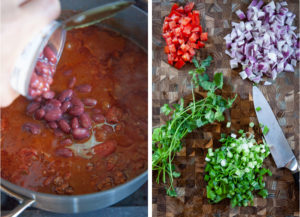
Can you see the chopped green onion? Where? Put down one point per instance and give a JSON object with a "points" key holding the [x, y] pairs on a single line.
{"points": [[251, 124], [265, 130], [258, 108], [235, 170], [228, 124]]}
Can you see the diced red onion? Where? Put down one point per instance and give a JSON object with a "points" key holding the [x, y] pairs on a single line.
{"points": [[265, 42], [240, 14]]}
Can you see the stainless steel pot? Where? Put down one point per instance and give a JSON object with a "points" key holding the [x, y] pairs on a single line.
{"points": [[132, 23]]}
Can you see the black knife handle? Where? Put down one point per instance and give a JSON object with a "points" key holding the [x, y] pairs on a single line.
{"points": [[297, 180]]}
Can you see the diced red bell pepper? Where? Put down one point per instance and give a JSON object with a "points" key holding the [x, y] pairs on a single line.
{"points": [[183, 34], [174, 7], [176, 13], [196, 29], [179, 53], [175, 40], [175, 17], [170, 59], [166, 35], [168, 19], [196, 18], [186, 57], [181, 41], [167, 50], [185, 20], [168, 41], [180, 9], [201, 44], [172, 48], [165, 26], [194, 37], [189, 7], [192, 52], [187, 30], [179, 64], [172, 24], [177, 32], [203, 36], [184, 47], [194, 45]]}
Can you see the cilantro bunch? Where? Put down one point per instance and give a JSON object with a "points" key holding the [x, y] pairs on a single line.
{"points": [[235, 170], [166, 139]]}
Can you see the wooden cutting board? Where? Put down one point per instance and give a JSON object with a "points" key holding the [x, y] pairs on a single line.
{"points": [[169, 84]]}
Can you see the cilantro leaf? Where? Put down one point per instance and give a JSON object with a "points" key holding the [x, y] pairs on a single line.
{"points": [[218, 80], [166, 139], [166, 109]]}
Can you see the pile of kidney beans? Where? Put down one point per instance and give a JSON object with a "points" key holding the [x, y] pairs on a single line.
{"points": [[64, 112], [42, 75]]}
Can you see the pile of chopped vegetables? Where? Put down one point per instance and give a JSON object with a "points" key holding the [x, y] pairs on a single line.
{"points": [[235, 170], [264, 42], [183, 34], [166, 139]]}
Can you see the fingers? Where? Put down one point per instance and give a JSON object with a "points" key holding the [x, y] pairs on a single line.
{"points": [[41, 12]]}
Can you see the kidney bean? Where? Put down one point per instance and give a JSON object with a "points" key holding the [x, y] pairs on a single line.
{"points": [[53, 115], [38, 99], [39, 114], [72, 82], [85, 120], [98, 118], [58, 133], [114, 115], [64, 126], [32, 107], [76, 101], [89, 102], [42, 68], [84, 88], [48, 95], [52, 124], [65, 95], [80, 133], [51, 104], [74, 123], [32, 128], [36, 81], [78, 107], [76, 110], [106, 148], [65, 106], [49, 53], [66, 142]]}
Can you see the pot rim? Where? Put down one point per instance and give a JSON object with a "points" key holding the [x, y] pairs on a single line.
{"points": [[18, 189]]}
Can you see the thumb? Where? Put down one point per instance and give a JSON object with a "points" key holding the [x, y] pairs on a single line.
{"points": [[39, 13]]}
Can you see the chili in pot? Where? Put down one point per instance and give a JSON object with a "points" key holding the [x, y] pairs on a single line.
{"points": [[89, 133]]}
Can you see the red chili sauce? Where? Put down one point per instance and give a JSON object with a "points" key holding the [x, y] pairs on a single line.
{"points": [[43, 160]]}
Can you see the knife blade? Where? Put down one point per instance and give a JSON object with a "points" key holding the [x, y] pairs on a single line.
{"points": [[279, 146]]}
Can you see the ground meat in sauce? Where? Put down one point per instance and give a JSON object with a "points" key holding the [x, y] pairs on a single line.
{"points": [[116, 70]]}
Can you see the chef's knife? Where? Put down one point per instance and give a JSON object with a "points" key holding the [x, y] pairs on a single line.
{"points": [[279, 146]]}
